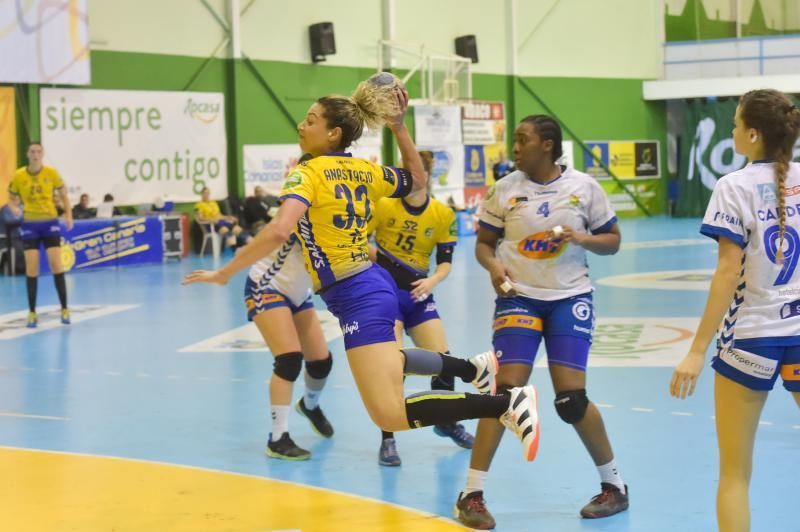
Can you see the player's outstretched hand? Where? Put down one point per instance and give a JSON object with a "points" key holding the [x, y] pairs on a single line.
{"points": [[205, 276]]}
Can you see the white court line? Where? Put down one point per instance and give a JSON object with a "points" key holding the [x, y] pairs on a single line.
{"points": [[766, 423], [681, 414], [33, 416], [142, 375], [796, 427], [114, 373], [678, 242], [238, 380], [640, 409], [603, 405], [27, 369]]}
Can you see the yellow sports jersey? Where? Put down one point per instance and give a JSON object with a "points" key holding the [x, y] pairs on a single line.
{"points": [[409, 234], [208, 210], [36, 192], [341, 192]]}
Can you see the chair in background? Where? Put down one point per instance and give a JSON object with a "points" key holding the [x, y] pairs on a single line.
{"points": [[210, 235]]}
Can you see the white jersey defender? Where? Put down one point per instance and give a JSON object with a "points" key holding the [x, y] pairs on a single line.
{"points": [[523, 211], [284, 271], [744, 209]]}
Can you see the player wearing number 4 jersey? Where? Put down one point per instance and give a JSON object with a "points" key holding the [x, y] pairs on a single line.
{"points": [[544, 293], [754, 213], [327, 202]]}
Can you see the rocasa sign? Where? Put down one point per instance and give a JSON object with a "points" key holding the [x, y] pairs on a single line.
{"points": [[707, 153]]}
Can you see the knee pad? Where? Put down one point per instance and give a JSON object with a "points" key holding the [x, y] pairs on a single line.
{"points": [[571, 406], [288, 365], [320, 369]]}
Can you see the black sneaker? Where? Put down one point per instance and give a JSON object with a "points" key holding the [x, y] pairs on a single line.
{"points": [[285, 449], [319, 422], [610, 501]]}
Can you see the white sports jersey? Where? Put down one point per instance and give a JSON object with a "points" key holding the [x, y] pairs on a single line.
{"points": [[744, 208], [284, 270], [523, 211]]}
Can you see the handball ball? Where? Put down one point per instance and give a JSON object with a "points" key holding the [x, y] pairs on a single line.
{"points": [[382, 79]]}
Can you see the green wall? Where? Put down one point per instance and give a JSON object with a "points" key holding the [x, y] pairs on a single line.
{"points": [[595, 109]]}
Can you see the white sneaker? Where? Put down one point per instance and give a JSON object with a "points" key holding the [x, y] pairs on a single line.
{"points": [[522, 418], [487, 366]]}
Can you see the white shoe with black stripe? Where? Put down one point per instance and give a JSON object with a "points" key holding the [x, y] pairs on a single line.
{"points": [[522, 418], [487, 367]]}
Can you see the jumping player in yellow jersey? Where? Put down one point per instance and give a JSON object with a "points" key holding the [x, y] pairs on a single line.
{"points": [[35, 185], [328, 201], [407, 231]]}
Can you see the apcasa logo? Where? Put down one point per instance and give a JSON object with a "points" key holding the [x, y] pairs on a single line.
{"points": [[350, 328], [539, 246], [205, 112]]}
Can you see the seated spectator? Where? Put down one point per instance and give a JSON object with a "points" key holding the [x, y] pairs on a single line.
{"points": [[208, 212], [255, 208], [107, 209], [81, 211]]}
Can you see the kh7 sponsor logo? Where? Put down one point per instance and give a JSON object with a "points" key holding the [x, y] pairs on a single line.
{"points": [[540, 246]]}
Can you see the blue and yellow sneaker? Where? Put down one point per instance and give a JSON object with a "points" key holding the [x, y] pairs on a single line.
{"points": [[32, 320], [457, 433], [65, 316], [388, 456]]}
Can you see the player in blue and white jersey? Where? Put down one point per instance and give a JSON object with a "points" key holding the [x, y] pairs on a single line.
{"points": [[278, 300], [754, 300], [536, 226]]}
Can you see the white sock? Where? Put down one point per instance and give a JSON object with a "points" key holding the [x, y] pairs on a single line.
{"points": [[311, 398], [280, 421], [475, 480], [610, 475]]}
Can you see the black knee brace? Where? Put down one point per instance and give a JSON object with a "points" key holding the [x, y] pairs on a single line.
{"points": [[288, 365], [571, 406], [320, 369]]}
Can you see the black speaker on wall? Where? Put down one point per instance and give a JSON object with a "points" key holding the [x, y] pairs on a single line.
{"points": [[322, 41], [467, 46]]}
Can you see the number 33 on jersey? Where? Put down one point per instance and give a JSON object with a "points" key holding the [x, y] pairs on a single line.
{"points": [[341, 192]]}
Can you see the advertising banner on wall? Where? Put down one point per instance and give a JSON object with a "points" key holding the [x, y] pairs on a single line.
{"points": [[267, 165], [103, 243], [136, 145], [447, 172], [8, 140], [628, 159], [437, 125], [649, 192], [483, 123], [707, 153], [42, 41]]}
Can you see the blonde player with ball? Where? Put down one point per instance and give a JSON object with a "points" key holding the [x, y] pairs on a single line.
{"points": [[326, 203], [536, 226]]}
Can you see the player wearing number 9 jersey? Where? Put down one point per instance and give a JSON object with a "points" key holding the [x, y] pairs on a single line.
{"points": [[326, 203], [754, 213]]}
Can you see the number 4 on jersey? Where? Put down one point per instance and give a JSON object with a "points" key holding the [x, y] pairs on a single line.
{"points": [[544, 209]]}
